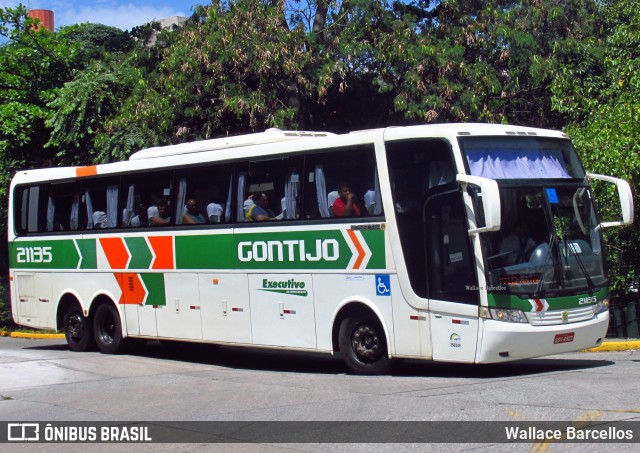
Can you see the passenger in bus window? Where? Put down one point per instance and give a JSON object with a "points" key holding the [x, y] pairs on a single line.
{"points": [[193, 216], [259, 211], [162, 218], [140, 215], [347, 204]]}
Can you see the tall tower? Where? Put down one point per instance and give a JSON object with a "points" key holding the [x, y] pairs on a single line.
{"points": [[45, 16]]}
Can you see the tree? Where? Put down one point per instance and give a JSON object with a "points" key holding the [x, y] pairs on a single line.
{"points": [[97, 41], [488, 61], [229, 70], [32, 63], [600, 91], [81, 106]]}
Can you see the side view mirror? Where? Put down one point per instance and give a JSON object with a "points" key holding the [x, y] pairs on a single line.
{"points": [[490, 201], [625, 196]]}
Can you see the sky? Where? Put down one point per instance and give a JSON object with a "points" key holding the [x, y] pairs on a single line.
{"points": [[123, 14]]}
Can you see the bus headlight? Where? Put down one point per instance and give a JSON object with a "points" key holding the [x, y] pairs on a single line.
{"points": [[601, 307], [508, 315]]}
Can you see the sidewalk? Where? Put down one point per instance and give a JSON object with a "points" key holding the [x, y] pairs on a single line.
{"points": [[613, 344]]}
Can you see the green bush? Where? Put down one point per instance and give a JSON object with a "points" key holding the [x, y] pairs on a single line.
{"points": [[5, 307]]}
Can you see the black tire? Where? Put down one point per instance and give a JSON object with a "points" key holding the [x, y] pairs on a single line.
{"points": [[363, 345], [77, 330], [107, 329]]}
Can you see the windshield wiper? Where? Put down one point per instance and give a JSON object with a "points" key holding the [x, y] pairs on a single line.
{"points": [[539, 292], [539, 289], [583, 269]]}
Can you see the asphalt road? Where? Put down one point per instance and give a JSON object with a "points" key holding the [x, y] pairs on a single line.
{"points": [[42, 380]]}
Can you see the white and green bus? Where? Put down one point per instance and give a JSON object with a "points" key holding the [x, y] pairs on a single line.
{"points": [[424, 267]]}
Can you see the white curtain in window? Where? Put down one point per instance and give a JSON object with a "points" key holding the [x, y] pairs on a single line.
{"points": [[87, 200], [242, 178], [127, 213], [377, 208], [50, 214], [75, 211], [321, 191], [517, 163], [290, 196], [182, 195], [112, 206], [227, 206]]}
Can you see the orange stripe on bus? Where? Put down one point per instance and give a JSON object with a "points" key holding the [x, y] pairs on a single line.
{"points": [[361, 252], [163, 249], [116, 252], [90, 170], [133, 291]]}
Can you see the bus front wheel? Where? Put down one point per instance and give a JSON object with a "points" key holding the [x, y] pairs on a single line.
{"points": [[108, 329], [77, 330], [363, 345]]}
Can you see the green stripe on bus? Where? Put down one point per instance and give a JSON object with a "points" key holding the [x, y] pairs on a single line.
{"points": [[306, 250], [43, 255], [322, 249], [155, 287], [88, 252], [140, 254], [555, 303]]}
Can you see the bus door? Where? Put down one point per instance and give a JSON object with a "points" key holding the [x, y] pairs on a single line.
{"points": [[282, 310], [161, 304], [451, 276], [180, 317], [35, 307], [433, 232], [226, 313]]}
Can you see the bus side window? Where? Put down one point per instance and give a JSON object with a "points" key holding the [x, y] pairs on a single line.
{"points": [[21, 210], [275, 180], [59, 206], [209, 186], [325, 171]]}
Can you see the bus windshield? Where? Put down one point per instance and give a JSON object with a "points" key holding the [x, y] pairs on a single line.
{"points": [[548, 243]]}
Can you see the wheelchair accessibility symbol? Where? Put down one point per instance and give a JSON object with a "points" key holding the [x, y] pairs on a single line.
{"points": [[383, 285]]}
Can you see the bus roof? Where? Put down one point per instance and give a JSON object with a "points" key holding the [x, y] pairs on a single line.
{"points": [[452, 130], [268, 136]]}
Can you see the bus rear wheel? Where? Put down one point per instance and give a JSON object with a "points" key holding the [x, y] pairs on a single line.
{"points": [[77, 330], [363, 345], [108, 329]]}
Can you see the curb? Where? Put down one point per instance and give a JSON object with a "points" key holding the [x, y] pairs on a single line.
{"points": [[33, 336], [616, 345], [606, 346]]}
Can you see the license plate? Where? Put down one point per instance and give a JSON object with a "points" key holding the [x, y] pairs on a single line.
{"points": [[564, 338]]}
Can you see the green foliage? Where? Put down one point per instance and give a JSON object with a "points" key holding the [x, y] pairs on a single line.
{"points": [[81, 106], [231, 69], [481, 61], [601, 93], [95, 41], [5, 306]]}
